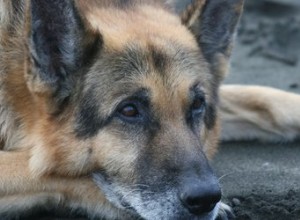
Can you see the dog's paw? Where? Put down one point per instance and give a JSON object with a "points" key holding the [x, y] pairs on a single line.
{"points": [[225, 212]]}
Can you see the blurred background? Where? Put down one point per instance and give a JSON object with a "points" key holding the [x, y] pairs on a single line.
{"points": [[261, 181], [267, 50]]}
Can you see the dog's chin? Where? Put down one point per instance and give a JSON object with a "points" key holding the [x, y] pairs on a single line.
{"points": [[119, 198]]}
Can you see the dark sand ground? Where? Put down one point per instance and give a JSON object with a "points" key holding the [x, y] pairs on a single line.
{"points": [[261, 180]]}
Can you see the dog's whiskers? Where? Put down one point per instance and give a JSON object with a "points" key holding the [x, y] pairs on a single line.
{"points": [[135, 190], [225, 175]]}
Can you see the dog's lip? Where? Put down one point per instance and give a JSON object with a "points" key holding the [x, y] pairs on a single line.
{"points": [[130, 209]]}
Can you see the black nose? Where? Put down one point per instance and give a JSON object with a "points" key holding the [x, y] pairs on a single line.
{"points": [[200, 198]]}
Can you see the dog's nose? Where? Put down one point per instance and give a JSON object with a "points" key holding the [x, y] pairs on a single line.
{"points": [[200, 198]]}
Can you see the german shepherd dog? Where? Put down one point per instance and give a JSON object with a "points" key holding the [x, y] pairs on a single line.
{"points": [[110, 107]]}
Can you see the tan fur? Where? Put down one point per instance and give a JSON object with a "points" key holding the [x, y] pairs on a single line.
{"points": [[116, 22], [32, 191], [255, 112]]}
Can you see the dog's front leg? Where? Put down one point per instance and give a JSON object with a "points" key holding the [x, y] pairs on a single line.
{"points": [[21, 191], [259, 113], [16, 206]]}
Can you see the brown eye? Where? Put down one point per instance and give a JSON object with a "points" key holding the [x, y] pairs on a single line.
{"points": [[129, 111], [197, 105]]}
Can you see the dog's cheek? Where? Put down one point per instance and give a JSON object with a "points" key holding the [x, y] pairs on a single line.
{"points": [[115, 154], [57, 150], [210, 138]]}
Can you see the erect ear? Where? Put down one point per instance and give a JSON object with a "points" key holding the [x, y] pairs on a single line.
{"points": [[60, 44], [213, 22]]}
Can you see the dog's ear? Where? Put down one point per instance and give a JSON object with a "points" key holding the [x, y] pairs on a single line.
{"points": [[213, 22], [60, 44]]}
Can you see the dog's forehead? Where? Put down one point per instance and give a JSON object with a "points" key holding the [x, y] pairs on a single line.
{"points": [[141, 23], [145, 46]]}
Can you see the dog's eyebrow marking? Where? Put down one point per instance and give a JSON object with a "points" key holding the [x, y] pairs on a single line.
{"points": [[142, 95], [136, 60], [160, 59], [196, 89], [131, 61]]}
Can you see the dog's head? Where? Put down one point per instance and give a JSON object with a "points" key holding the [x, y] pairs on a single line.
{"points": [[128, 90]]}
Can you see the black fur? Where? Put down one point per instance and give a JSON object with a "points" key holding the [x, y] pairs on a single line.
{"points": [[194, 120], [54, 27], [89, 120], [57, 44], [159, 59], [132, 60], [210, 117], [216, 26]]}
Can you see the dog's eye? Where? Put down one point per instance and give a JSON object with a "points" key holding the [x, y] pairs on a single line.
{"points": [[129, 111], [198, 105]]}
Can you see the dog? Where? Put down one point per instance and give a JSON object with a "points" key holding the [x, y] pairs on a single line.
{"points": [[111, 108]]}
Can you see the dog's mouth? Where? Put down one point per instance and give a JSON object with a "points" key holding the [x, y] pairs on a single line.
{"points": [[141, 203], [115, 197]]}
